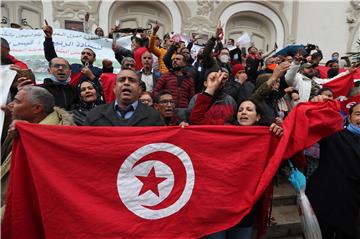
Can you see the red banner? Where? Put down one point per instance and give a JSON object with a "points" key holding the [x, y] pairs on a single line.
{"points": [[150, 182]]}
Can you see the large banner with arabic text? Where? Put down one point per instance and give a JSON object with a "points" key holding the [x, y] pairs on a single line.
{"points": [[27, 45]]}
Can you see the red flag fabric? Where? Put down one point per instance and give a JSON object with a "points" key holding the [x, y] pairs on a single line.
{"points": [[17, 62], [324, 69], [341, 85], [108, 82], [346, 104], [150, 182], [75, 79]]}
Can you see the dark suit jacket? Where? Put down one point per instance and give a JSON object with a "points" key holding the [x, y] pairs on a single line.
{"points": [[334, 188], [105, 115]]}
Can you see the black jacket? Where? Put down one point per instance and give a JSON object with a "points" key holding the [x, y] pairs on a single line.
{"points": [[334, 188], [105, 115], [50, 53], [65, 95]]}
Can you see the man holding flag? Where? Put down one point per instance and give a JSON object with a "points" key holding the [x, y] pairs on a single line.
{"points": [[303, 79], [159, 186]]}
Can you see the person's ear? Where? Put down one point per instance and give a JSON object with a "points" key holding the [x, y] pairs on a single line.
{"points": [[37, 108], [258, 117]]}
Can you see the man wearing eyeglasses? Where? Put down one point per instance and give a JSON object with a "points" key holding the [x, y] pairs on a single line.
{"points": [[80, 72], [165, 104], [58, 84], [126, 110]]}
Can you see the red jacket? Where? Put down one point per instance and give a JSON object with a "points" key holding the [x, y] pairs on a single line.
{"points": [[208, 111], [182, 88]]}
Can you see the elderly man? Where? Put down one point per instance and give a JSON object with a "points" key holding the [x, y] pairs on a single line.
{"points": [[58, 84], [32, 104], [84, 71], [148, 75], [126, 110]]}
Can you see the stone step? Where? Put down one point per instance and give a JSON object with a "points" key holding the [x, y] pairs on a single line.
{"points": [[287, 223], [284, 194]]}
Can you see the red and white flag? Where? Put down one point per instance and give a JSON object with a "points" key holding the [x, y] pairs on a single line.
{"points": [[341, 85], [149, 182], [346, 104]]}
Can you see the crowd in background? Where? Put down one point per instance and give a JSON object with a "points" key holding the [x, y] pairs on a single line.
{"points": [[161, 84]]}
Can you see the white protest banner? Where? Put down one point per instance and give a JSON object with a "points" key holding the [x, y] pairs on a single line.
{"points": [[27, 46], [7, 76]]}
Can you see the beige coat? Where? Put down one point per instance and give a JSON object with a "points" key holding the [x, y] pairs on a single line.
{"points": [[57, 117]]}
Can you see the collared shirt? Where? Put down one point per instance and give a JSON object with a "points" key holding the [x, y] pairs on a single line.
{"points": [[128, 112], [148, 79]]}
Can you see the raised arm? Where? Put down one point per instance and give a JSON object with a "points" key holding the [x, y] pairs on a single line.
{"points": [[49, 49], [290, 76], [152, 46], [167, 58]]}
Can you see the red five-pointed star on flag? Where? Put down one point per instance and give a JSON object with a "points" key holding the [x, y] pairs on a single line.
{"points": [[150, 182]]}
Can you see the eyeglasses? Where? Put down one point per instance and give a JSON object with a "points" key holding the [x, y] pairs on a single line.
{"points": [[129, 65], [165, 102], [63, 66]]}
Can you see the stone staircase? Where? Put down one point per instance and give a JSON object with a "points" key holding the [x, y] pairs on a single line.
{"points": [[285, 213]]}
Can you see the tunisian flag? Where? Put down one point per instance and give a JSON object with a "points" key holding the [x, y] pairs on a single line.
{"points": [[346, 104], [149, 182], [341, 85]]}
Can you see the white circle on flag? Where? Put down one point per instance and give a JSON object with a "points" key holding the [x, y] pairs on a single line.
{"points": [[129, 185]]}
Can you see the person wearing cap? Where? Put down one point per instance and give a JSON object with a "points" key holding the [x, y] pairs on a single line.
{"points": [[238, 86], [303, 78]]}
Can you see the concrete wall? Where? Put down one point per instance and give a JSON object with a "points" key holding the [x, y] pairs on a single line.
{"points": [[324, 24]]}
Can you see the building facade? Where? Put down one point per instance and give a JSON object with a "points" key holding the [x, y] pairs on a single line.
{"points": [[333, 25]]}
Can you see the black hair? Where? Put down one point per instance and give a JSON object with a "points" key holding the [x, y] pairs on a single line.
{"points": [[352, 107], [332, 72], [137, 40], [232, 40], [325, 89], [98, 100], [161, 93], [264, 120], [142, 85]]}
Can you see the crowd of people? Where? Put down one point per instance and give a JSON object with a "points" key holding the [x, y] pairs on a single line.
{"points": [[160, 84]]}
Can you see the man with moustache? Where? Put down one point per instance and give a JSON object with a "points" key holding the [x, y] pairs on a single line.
{"points": [[80, 72], [126, 110], [147, 74]]}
